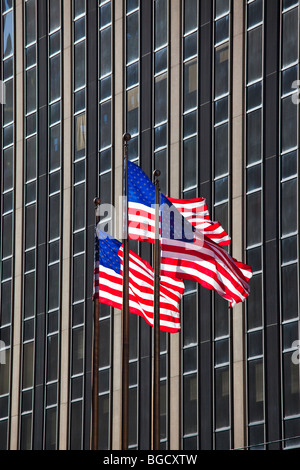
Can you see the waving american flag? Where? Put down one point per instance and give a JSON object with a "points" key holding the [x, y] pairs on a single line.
{"points": [[191, 244], [109, 280]]}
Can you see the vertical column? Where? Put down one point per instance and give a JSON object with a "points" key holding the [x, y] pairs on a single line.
{"points": [[270, 202], [221, 169], [175, 142], [289, 226], [41, 225], [29, 240], [79, 203], [205, 184], [17, 315], [91, 190], [237, 218], [254, 229], [145, 333], [118, 147], [133, 119], [105, 192], [67, 223], [189, 178]]}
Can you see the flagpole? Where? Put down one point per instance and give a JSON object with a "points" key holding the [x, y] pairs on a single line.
{"points": [[125, 310], [97, 203], [156, 326]]}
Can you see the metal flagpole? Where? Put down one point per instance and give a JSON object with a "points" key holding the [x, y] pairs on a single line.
{"points": [[97, 203], [125, 310], [156, 327]]}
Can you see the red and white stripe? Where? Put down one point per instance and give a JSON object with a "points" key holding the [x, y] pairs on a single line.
{"points": [[196, 212], [141, 222], [141, 292], [209, 265]]}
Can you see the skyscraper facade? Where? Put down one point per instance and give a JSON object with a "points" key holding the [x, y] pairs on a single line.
{"points": [[209, 92]]}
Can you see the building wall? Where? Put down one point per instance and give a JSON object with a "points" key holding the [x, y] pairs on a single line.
{"points": [[205, 88]]}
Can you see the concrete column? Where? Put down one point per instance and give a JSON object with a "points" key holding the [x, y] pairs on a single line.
{"points": [[174, 168], [238, 316], [118, 152], [67, 224], [18, 232]]}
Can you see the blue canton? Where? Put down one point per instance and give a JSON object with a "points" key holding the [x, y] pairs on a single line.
{"points": [[142, 191], [108, 252]]}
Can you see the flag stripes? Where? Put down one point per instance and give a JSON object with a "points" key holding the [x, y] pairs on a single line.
{"points": [[210, 265], [196, 212], [108, 285]]}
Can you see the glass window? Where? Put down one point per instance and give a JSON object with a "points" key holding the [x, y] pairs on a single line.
{"points": [[79, 29], [133, 110], [221, 110], [189, 320], [54, 14], [221, 190], [8, 169], [190, 397], [255, 12], [80, 136], [50, 429], [290, 37], [78, 278], [104, 343], [190, 85], [221, 150], [221, 70], [55, 78], [80, 66], [289, 124], [189, 152], [253, 178], [76, 425], [161, 23], [79, 7], [105, 51], [31, 158], [161, 86], [254, 303], [222, 418], [132, 33], [105, 124], [254, 95], [222, 29], [190, 15], [256, 391], [289, 292], [54, 147], [289, 165], [291, 386], [31, 90], [77, 351], [254, 137], [7, 34], [8, 108], [222, 7], [254, 219], [28, 367], [52, 358], [254, 54], [79, 207], [289, 207]]}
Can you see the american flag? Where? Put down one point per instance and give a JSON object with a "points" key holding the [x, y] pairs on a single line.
{"points": [[196, 212], [141, 211], [198, 257], [209, 265], [141, 285]]}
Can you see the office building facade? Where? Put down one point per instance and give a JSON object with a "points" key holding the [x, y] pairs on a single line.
{"points": [[208, 90]]}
